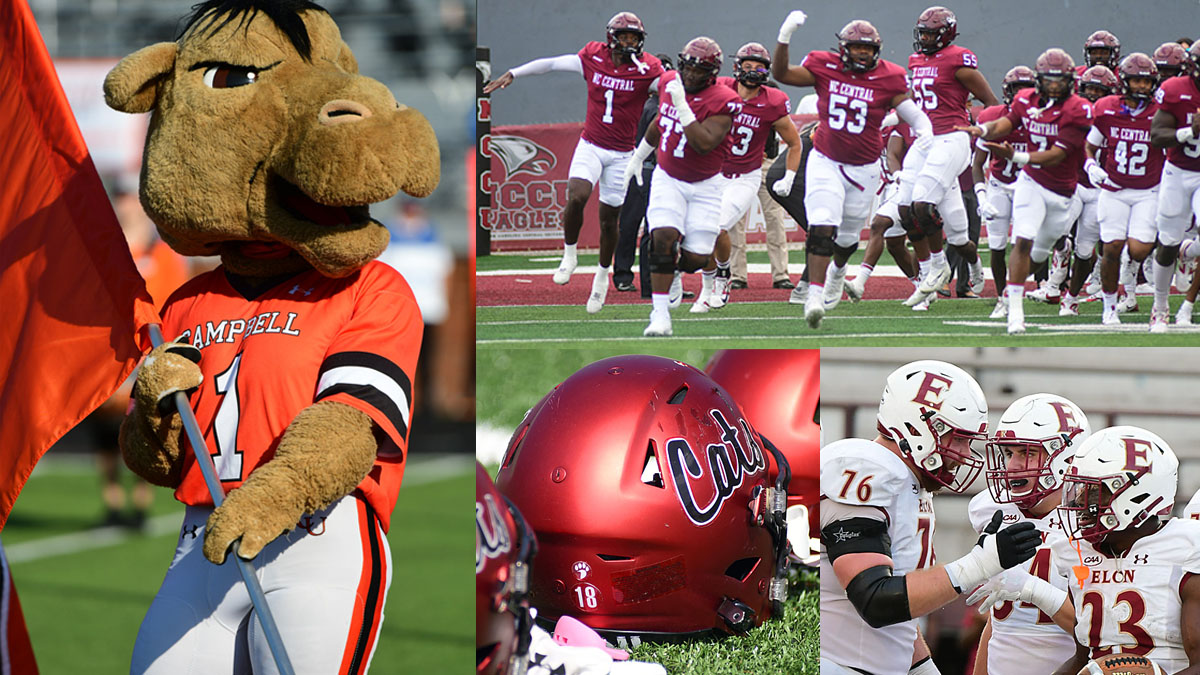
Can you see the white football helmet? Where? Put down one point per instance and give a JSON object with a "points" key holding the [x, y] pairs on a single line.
{"points": [[1120, 477], [924, 407], [1044, 421]]}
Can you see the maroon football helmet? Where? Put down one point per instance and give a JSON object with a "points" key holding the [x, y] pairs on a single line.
{"points": [[504, 547], [859, 32], [1055, 66], [626, 22], [1169, 57], [1099, 77], [1134, 66], [1102, 39], [780, 392], [1191, 62], [752, 51], [651, 498], [703, 53], [1016, 79], [936, 21]]}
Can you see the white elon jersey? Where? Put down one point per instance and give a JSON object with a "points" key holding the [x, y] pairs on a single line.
{"points": [[1024, 639], [860, 478], [1131, 604], [1192, 510]]}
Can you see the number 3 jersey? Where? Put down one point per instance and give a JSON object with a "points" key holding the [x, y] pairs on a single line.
{"points": [[1131, 604], [851, 107], [1025, 639], [752, 127], [311, 338], [862, 479]]}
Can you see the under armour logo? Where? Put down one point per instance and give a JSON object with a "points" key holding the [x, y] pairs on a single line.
{"points": [[311, 526], [296, 289], [1141, 559], [190, 530], [844, 535]]}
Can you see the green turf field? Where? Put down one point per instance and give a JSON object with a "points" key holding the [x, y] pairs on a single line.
{"points": [[510, 381], [84, 590], [958, 322]]}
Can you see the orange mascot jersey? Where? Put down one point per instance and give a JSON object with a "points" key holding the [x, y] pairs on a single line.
{"points": [[311, 338]]}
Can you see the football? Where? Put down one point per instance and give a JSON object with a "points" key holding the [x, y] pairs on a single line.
{"points": [[1121, 664]]}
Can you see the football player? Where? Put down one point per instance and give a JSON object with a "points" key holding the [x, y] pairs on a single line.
{"points": [[1094, 84], [886, 230], [943, 76], [1057, 121], [619, 78], [1101, 48], [691, 132], [855, 88], [1169, 58], [1027, 456], [995, 197], [1129, 175], [877, 571], [1132, 569], [764, 112], [1176, 128]]}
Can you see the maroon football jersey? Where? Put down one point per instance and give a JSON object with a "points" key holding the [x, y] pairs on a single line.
{"points": [[1004, 170], [616, 96], [851, 106], [935, 88], [679, 159], [1130, 160], [1180, 97], [752, 127], [1063, 124]]}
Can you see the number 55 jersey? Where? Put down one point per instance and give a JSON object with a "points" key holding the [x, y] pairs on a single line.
{"points": [[862, 479], [267, 356]]}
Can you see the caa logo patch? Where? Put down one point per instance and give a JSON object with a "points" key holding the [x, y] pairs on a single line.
{"points": [[729, 462], [491, 532]]}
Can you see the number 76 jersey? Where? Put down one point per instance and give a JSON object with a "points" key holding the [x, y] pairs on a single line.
{"points": [[311, 338], [862, 479], [1131, 605]]}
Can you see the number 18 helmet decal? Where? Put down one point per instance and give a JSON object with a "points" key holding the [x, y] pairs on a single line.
{"points": [[925, 406], [650, 497], [1038, 422], [1120, 477], [780, 392], [504, 547]]}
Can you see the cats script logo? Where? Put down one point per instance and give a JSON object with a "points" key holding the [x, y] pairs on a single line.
{"points": [[491, 532], [717, 472]]}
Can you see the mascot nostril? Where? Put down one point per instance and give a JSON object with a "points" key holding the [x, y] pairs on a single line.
{"points": [[342, 111], [308, 345]]}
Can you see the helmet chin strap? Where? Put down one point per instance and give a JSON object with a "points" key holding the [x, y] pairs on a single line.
{"points": [[775, 520]]}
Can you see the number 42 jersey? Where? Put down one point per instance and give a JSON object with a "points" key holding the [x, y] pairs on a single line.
{"points": [[353, 340], [862, 479]]}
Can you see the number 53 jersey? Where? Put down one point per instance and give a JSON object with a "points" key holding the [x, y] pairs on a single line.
{"points": [[862, 479], [1131, 605], [311, 338]]}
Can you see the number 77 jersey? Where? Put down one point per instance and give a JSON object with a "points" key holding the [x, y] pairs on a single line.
{"points": [[861, 479], [267, 356], [1132, 605], [851, 106]]}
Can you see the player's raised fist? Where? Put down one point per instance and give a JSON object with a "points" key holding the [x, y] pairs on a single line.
{"points": [[794, 20]]}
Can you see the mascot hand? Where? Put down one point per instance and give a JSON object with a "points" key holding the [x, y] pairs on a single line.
{"points": [[168, 368], [253, 513]]}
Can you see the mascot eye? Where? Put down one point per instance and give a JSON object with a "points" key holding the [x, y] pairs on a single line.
{"points": [[224, 76]]}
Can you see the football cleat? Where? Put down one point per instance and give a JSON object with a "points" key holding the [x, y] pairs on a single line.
{"points": [[565, 269], [1069, 306], [1016, 318], [1127, 304], [929, 285], [720, 292], [595, 301], [814, 310], [660, 324], [1001, 309], [1110, 318], [799, 294], [1048, 294], [675, 294], [923, 306], [833, 287], [1184, 316], [977, 280], [1158, 321], [855, 288]]}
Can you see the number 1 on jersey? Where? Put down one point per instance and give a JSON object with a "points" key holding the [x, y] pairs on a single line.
{"points": [[227, 459]]}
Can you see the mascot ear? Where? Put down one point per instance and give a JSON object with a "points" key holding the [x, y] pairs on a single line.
{"points": [[132, 86]]}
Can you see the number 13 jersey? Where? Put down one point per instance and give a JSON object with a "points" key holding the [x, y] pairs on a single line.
{"points": [[353, 340]]}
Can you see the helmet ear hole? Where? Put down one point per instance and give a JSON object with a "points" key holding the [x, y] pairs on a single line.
{"points": [[678, 396], [651, 474], [741, 569]]}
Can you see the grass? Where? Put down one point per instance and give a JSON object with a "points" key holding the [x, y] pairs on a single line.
{"points": [[511, 380], [83, 608]]}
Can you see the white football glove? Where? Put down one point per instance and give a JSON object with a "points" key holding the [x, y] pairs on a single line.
{"points": [[676, 92], [633, 168], [1095, 172], [1018, 585], [988, 211], [783, 186], [995, 551], [793, 21]]}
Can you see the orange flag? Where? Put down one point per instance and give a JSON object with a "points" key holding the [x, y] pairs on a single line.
{"points": [[73, 308]]}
